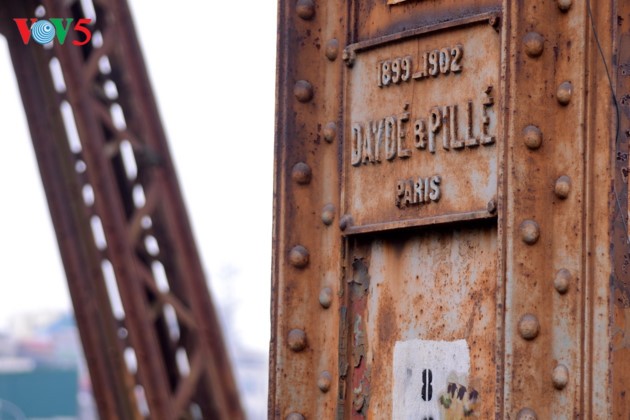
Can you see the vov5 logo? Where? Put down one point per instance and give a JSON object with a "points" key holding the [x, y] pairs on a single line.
{"points": [[44, 31]]}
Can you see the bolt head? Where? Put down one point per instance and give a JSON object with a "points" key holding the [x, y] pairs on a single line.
{"points": [[299, 256], [305, 9], [345, 222], [294, 416], [303, 91], [296, 340], [560, 376], [301, 173], [532, 137], [330, 132], [562, 281], [346, 55], [564, 93], [528, 326], [326, 297], [564, 5], [562, 187], [530, 232], [328, 214], [324, 381], [526, 414], [534, 43], [332, 49], [492, 206]]}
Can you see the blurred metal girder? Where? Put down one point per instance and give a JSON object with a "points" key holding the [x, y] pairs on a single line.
{"points": [[150, 333]]}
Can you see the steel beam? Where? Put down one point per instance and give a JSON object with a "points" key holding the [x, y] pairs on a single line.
{"points": [[451, 208]]}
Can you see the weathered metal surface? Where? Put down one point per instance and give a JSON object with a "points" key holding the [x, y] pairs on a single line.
{"points": [[372, 19], [405, 290], [150, 334], [504, 295], [561, 279]]}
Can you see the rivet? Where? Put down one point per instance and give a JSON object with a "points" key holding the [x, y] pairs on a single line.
{"points": [[328, 214], [530, 232], [495, 22], [303, 91], [294, 416], [564, 5], [560, 376], [298, 257], [532, 136], [345, 222], [305, 9], [330, 132], [562, 281], [332, 49], [562, 187], [301, 173], [326, 297], [564, 93], [528, 326], [324, 381], [526, 414], [492, 206], [297, 340], [349, 56], [534, 44]]}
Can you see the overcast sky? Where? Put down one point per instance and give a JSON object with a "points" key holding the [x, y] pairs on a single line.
{"points": [[212, 65]]}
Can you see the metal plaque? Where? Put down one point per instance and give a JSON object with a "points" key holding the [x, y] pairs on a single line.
{"points": [[421, 132]]}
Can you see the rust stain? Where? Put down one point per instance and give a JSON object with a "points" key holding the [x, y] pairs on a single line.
{"points": [[621, 329], [386, 320], [361, 370], [360, 281], [358, 345]]}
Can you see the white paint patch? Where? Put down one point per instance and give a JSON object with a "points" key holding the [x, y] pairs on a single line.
{"points": [[422, 371]]}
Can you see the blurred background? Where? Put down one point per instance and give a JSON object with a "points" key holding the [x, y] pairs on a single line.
{"points": [[213, 73]]}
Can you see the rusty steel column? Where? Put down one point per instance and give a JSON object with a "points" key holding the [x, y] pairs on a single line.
{"points": [[547, 233], [304, 374], [150, 333], [458, 238]]}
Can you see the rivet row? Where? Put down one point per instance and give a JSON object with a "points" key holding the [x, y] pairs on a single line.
{"points": [[302, 175], [532, 137]]}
